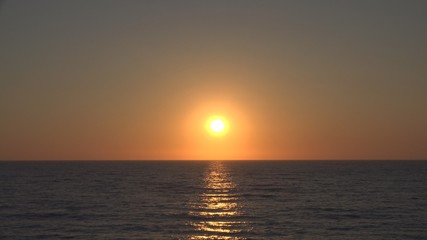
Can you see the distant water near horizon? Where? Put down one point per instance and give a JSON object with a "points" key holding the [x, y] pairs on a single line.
{"points": [[213, 200]]}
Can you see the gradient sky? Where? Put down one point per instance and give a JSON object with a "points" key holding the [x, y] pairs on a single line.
{"points": [[138, 79]]}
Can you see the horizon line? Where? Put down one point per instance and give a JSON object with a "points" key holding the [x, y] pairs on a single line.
{"points": [[191, 160]]}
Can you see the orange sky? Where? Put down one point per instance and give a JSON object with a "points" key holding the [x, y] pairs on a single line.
{"points": [[138, 80]]}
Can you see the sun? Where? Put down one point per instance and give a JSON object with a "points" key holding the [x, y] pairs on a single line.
{"points": [[217, 125]]}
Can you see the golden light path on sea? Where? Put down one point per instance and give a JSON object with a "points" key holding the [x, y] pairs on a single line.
{"points": [[218, 207]]}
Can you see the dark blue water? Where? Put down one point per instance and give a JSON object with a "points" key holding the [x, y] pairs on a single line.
{"points": [[214, 200]]}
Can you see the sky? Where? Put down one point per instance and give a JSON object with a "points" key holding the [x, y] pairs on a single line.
{"points": [[138, 79]]}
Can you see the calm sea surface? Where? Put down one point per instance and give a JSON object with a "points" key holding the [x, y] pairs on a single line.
{"points": [[213, 200]]}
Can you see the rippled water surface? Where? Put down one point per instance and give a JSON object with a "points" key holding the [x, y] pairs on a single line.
{"points": [[213, 200]]}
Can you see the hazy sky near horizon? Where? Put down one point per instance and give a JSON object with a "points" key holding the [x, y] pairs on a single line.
{"points": [[137, 79]]}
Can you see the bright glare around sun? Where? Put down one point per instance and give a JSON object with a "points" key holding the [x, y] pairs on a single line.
{"points": [[217, 126]]}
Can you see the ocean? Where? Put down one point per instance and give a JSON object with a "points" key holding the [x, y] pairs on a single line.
{"points": [[213, 200]]}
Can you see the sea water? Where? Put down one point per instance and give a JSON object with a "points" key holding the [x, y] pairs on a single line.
{"points": [[213, 200]]}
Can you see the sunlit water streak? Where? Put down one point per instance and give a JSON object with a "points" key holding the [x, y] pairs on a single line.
{"points": [[218, 208]]}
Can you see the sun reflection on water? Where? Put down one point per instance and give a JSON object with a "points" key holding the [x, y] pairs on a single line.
{"points": [[217, 211]]}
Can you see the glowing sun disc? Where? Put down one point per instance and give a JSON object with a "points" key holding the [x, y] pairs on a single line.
{"points": [[217, 125]]}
